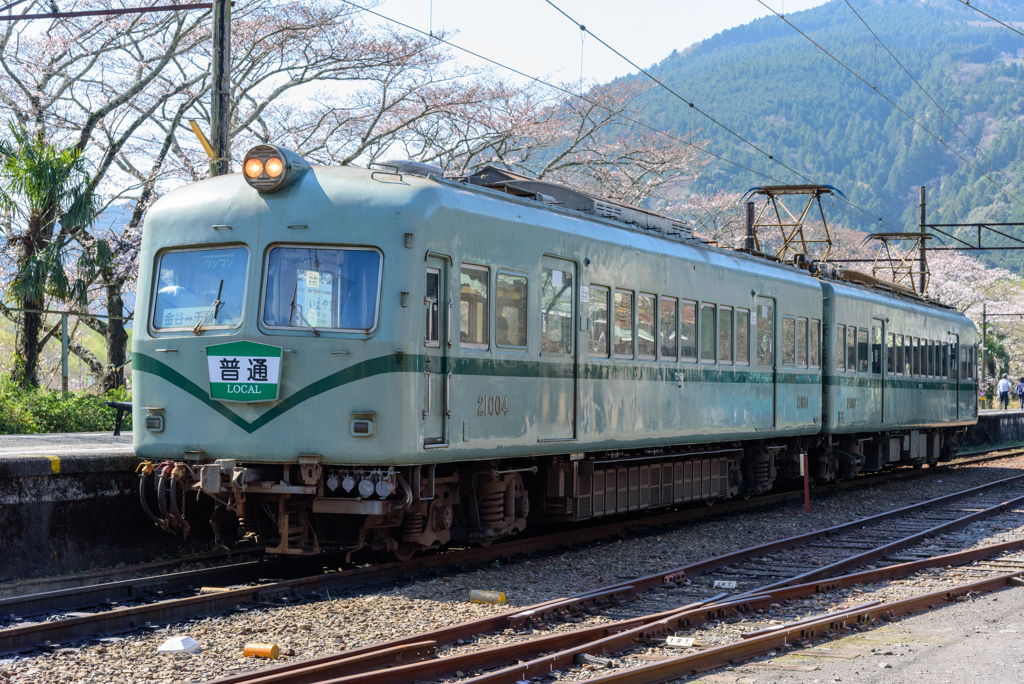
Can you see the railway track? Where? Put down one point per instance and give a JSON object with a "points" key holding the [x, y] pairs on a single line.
{"points": [[662, 613], [66, 620]]}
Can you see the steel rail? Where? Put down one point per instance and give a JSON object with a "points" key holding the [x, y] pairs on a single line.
{"points": [[314, 670], [121, 619], [827, 627]]}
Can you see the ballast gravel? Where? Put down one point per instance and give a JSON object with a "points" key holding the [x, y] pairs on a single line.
{"points": [[320, 624]]}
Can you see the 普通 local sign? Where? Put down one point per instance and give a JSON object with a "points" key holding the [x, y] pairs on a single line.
{"points": [[244, 371]]}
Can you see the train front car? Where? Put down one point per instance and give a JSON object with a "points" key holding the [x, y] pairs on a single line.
{"points": [[268, 345]]}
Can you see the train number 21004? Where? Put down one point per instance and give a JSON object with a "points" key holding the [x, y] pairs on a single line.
{"points": [[492, 406]]}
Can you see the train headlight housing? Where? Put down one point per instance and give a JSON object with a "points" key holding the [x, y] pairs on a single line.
{"points": [[268, 168]]}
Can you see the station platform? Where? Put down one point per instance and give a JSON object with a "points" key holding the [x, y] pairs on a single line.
{"points": [[997, 427], [69, 502]]}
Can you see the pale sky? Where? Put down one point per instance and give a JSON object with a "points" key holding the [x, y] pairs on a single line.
{"points": [[533, 37]]}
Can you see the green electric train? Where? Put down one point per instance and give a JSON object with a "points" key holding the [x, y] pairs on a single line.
{"points": [[389, 359]]}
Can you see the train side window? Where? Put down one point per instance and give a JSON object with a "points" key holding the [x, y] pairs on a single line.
{"points": [[862, 350], [645, 340], [600, 339], [765, 341], [908, 361], [623, 324], [788, 341], [556, 313], [876, 349], [473, 315], [945, 360], [743, 337], [841, 348], [667, 329], [917, 357], [814, 343], [899, 355], [929, 367], [933, 358], [851, 349], [891, 355], [801, 343], [707, 333], [430, 301], [725, 335], [688, 331], [510, 321]]}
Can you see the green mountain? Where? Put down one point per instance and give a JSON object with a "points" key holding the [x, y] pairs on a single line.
{"points": [[774, 87]]}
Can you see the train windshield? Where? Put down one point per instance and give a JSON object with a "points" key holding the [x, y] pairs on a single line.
{"points": [[319, 288], [200, 286]]}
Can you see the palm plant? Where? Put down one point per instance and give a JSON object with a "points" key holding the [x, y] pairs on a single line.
{"points": [[44, 190]]}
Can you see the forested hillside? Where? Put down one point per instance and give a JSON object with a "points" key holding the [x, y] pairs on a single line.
{"points": [[771, 85]]}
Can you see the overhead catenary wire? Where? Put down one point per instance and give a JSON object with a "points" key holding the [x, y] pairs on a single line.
{"points": [[863, 216], [895, 105], [1001, 23], [942, 114], [694, 107]]}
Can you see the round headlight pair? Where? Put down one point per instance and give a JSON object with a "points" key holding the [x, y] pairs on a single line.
{"points": [[273, 167], [268, 168]]}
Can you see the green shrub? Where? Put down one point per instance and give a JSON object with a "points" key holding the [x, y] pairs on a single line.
{"points": [[43, 410]]}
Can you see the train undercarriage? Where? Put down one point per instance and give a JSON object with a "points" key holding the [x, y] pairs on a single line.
{"points": [[308, 507]]}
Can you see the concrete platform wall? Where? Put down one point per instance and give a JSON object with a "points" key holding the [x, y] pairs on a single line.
{"points": [[997, 427], [76, 512]]}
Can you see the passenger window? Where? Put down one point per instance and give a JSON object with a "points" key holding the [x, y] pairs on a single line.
{"points": [[891, 355], [916, 351], [743, 337], [931, 359], [645, 341], [801, 343], [556, 318], [908, 365], [667, 329], [814, 342], [851, 349], [510, 322], [623, 324], [432, 336], [707, 333], [765, 341], [841, 348], [688, 331], [788, 341], [599, 338], [725, 335], [899, 355], [945, 360], [862, 350], [473, 332], [876, 350]]}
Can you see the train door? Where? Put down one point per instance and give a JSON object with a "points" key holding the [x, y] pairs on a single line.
{"points": [[878, 370], [437, 313], [765, 392], [954, 372], [557, 377]]}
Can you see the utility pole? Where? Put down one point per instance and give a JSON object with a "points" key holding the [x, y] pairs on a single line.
{"points": [[924, 229], [220, 111]]}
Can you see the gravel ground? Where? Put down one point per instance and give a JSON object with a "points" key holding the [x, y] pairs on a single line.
{"points": [[321, 625]]}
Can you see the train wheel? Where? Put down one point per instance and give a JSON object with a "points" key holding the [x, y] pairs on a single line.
{"points": [[405, 551]]}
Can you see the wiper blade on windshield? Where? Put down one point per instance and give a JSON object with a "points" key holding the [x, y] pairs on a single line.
{"points": [[206, 317], [295, 291]]}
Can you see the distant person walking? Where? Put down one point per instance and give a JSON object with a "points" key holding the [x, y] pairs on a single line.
{"points": [[1019, 391], [1003, 388]]}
